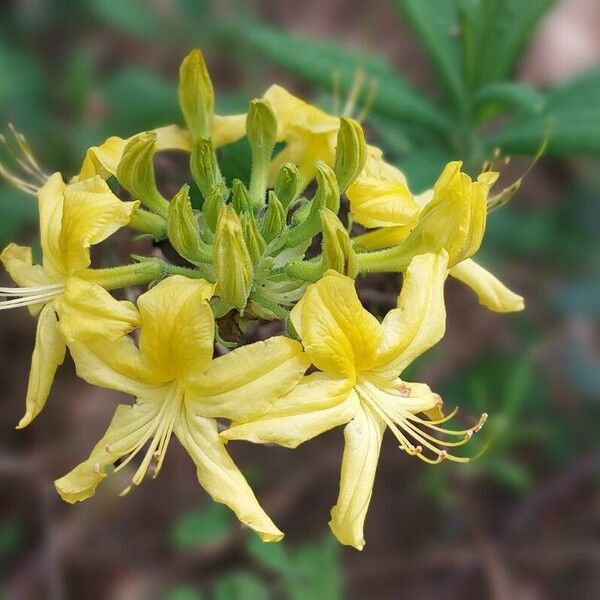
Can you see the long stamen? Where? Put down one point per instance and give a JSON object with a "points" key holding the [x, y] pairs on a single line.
{"points": [[27, 291], [19, 153], [29, 300], [355, 89]]}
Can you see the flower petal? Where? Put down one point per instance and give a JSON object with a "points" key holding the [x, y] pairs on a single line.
{"points": [[492, 293], [17, 260], [48, 354], [116, 365], [91, 213], [50, 205], [219, 476], [419, 321], [103, 160], [363, 437], [338, 334], [317, 404], [245, 382], [87, 311], [228, 129], [384, 237], [177, 327], [130, 425]]}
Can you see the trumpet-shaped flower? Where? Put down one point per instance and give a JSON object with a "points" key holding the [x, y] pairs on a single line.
{"points": [[359, 361], [181, 390], [453, 218], [73, 217], [309, 133]]}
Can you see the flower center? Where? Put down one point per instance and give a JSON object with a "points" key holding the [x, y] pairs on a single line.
{"points": [[398, 406]]}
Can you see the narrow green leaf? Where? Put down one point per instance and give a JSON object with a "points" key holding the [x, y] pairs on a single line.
{"points": [[507, 25], [208, 525], [436, 23], [495, 97], [240, 585], [571, 120]]}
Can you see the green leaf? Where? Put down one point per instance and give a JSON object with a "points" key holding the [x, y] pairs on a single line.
{"points": [[183, 592], [272, 556], [506, 26], [240, 585], [319, 62], [495, 97], [571, 120], [436, 23], [207, 526]]}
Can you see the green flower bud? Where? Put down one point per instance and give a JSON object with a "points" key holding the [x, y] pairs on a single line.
{"points": [[261, 129], [205, 168], [327, 196], [231, 259], [274, 220], [287, 184], [196, 95], [136, 173], [240, 197], [211, 208], [254, 240], [184, 231], [351, 153], [338, 253]]}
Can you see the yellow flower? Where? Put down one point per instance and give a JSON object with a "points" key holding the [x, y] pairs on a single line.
{"points": [[72, 218], [380, 196], [180, 389], [358, 384], [309, 133], [453, 218]]}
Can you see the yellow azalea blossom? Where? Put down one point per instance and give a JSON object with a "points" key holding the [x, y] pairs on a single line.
{"points": [[103, 160], [380, 196], [453, 217], [309, 133], [358, 384], [181, 390], [73, 217]]}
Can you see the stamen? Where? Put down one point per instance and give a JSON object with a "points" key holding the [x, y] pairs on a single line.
{"points": [[355, 89], [371, 93], [29, 300], [19, 153]]}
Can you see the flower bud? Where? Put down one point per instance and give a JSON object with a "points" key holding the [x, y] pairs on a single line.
{"points": [[205, 168], [231, 259], [261, 129], [240, 197], [136, 173], [183, 229], [254, 240], [338, 253], [351, 153], [274, 220], [196, 95], [211, 208], [287, 184]]}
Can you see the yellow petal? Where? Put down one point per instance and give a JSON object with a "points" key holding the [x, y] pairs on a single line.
{"points": [[17, 261], [492, 293], [314, 406], [50, 203], [385, 237], [228, 129], [362, 437], [87, 311], [419, 321], [177, 327], [115, 365], [172, 137], [338, 334], [380, 196], [219, 476], [103, 160], [48, 354], [245, 382], [129, 427], [91, 213]]}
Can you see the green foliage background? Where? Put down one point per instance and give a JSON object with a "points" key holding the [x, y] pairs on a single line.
{"points": [[73, 73]]}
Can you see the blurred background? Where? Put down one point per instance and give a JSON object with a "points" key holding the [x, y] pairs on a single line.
{"points": [[437, 80]]}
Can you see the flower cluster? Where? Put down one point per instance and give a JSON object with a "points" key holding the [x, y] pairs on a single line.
{"points": [[271, 248]]}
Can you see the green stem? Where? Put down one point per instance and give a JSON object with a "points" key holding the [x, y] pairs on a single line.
{"points": [[307, 271], [150, 223], [199, 273], [390, 260], [125, 275], [271, 305]]}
